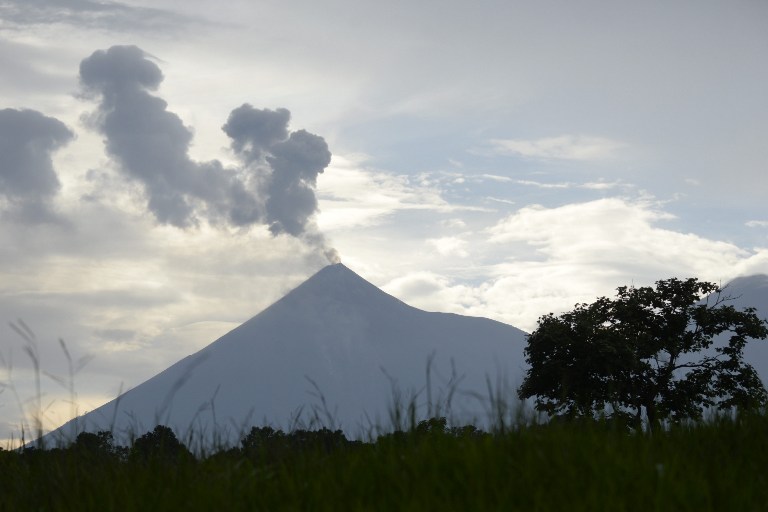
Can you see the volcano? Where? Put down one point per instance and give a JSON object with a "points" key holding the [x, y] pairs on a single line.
{"points": [[752, 291], [336, 352]]}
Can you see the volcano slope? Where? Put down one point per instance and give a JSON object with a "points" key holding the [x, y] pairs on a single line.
{"points": [[336, 352]]}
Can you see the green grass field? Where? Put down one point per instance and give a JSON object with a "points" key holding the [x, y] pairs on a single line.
{"points": [[715, 465]]}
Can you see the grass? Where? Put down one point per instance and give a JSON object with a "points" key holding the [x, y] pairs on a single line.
{"points": [[714, 465], [522, 464]]}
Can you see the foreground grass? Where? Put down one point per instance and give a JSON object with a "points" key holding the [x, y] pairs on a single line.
{"points": [[718, 465]]}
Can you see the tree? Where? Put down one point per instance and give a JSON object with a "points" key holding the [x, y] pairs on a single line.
{"points": [[662, 353], [160, 444], [264, 442], [98, 445]]}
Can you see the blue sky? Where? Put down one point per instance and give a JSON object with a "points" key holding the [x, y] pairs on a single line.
{"points": [[501, 159]]}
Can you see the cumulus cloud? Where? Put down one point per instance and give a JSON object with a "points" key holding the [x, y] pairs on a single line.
{"points": [[597, 246], [449, 246], [616, 231], [539, 260], [274, 185], [28, 180], [433, 292]]}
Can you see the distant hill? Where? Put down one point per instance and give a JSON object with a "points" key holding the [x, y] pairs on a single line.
{"points": [[752, 291]]}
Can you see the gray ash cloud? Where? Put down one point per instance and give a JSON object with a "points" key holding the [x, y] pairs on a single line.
{"points": [[28, 181], [273, 185]]}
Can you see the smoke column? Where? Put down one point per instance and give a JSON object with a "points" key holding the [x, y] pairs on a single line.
{"points": [[273, 185]]}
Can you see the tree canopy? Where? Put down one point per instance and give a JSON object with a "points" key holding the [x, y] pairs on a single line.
{"points": [[160, 444], [659, 353]]}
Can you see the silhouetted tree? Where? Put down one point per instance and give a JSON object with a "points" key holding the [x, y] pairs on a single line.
{"points": [[160, 444], [432, 426], [259, 437], [650, 351], [467, 431], [268, 445], [98, 445], [323, 439], [264, 443]]}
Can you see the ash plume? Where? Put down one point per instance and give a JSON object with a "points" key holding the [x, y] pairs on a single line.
{"points": [[261, 138], [274, 184], [28, 181]]}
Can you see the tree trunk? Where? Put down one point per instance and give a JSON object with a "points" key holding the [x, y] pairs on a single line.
{"points": [[650, 411], [639, 418]]}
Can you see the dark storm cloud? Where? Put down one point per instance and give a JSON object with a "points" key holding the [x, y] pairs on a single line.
{"points": [[113, 15], [27, 178], [275, 185]]}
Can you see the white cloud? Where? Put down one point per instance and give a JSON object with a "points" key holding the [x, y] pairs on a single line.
{"points": [[619, 232], [495, 177], [564, 147], [352, 196], [602, 185], [602, 244], [454, 223], [540, 260], [539, 184], [500, 200], [757, 224], [593, 185], [449, 246], [432, 292]]}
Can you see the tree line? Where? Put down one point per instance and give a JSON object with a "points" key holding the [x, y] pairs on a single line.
{"points": [[263, 444]]}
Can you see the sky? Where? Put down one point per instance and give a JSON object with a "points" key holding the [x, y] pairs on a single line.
{"points": [[169, 168]]}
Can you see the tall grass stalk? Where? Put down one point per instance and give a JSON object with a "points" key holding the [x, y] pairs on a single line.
{"points": [[30, 348], [36, 413]]}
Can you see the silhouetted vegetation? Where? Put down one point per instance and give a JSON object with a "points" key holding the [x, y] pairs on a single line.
{"points": [[159, 445], [98, 447], [596, 372], [715, 464], [650, 354]]}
